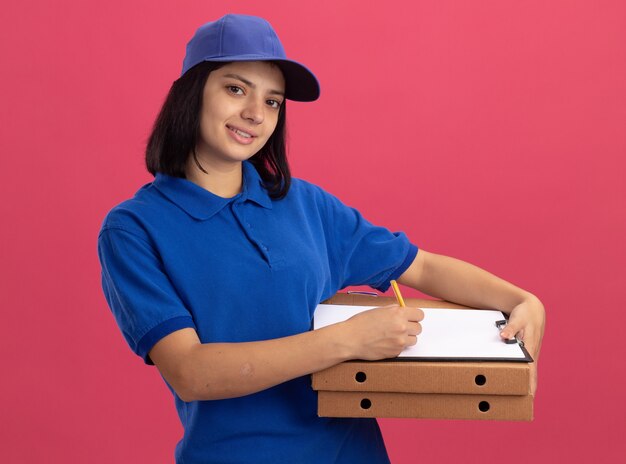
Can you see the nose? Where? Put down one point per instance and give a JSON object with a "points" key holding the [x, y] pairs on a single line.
{"points": [[253, 111]]}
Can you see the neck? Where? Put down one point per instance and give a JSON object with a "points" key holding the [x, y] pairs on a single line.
{"points": [[222, 179]]}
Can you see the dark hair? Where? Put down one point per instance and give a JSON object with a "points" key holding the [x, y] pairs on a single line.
{"points": [[177, 128]]}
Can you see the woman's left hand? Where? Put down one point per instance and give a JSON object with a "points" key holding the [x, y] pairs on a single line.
{"points": [[527, 321]]}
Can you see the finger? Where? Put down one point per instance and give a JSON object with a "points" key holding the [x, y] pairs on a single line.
{"points": [[414, 314], [533, 378], [411, 340], [532, 343], [537, 351], [414, 328], [511, 329]]}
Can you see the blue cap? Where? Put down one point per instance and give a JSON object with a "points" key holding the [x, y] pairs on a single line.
{"points": [[249, 38]]}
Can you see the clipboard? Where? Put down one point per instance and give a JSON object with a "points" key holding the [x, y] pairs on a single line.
{"points": [[448, 335]]}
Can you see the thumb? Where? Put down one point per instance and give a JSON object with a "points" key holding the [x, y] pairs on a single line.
{"points": [[510, 330]]}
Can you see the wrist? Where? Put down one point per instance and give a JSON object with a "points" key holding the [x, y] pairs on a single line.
{"points": [[532, 300], [522, 298], [340, 342]]}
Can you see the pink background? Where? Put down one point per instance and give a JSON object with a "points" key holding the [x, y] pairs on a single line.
{"points": [[492, 131]]}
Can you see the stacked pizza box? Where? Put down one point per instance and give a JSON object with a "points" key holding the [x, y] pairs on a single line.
{"points": [[493, 390]]}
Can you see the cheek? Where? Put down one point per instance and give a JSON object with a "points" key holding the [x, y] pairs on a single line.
{"points": [[273, 122], [208, 125]]}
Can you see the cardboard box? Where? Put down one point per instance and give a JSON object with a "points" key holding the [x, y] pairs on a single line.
{"points": [[473, 378], [428, 390], [424, 406]]}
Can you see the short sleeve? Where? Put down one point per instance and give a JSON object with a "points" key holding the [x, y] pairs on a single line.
{"points": [[362, 253], [144, 303]]}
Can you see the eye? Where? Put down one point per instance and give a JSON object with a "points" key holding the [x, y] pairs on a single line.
{"points": [[274, 103], [235, 90]]}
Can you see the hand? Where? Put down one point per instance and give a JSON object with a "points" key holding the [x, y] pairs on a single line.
{"points": [[383, 332], [527, 321]]}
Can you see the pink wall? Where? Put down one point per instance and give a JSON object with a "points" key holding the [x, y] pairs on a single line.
{"points": [[493, 131]]}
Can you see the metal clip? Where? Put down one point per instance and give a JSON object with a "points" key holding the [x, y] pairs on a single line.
{"points": [[357, 292]]}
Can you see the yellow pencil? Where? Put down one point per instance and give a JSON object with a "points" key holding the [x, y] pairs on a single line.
{"points": [[396, 290]]}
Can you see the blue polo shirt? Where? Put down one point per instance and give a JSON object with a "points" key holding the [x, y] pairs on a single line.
{"points": [[241, 269]]}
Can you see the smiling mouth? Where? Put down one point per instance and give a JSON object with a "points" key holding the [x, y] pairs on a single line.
{"points": [[240, 132]]}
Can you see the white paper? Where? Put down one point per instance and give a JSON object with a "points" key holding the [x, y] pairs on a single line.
{"points": [[446, 333]]}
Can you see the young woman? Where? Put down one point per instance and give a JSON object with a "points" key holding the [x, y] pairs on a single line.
{"points": [[213, 270]]}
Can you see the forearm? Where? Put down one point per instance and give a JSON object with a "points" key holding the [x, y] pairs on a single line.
{"points": [[228, 370], [463, 283], [210, 371]]}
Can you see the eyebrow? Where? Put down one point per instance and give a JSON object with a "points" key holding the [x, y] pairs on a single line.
{"points": [[250, 84]]}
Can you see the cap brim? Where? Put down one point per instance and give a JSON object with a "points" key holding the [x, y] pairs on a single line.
{"points": [[301, 84]]}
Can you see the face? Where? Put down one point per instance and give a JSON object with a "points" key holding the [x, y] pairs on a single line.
{"points": [[240, 108]]}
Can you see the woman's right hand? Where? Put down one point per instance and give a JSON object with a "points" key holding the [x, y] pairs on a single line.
{"points": [[383, 332]]}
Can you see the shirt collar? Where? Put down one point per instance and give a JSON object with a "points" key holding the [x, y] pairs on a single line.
{"points": [[253, 188], [202, 204]]}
